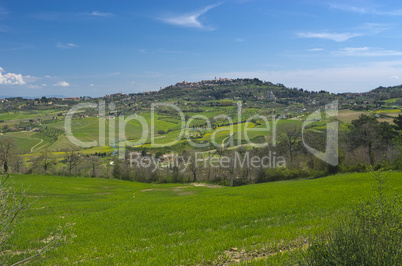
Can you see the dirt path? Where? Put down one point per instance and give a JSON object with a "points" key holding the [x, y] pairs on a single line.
{"points": [[223, 141], [40, 142]]}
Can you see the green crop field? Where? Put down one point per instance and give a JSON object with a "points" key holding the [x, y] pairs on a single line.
{"points": [[392, 101], [87, 129], [20, 115], [118, 222]]}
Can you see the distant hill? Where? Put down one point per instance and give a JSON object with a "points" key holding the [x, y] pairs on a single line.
{"points": [[242, 89], [246, 90], [392, 92], [32, 97]]}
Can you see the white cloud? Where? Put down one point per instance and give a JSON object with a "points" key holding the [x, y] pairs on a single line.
{"points": [[29, 79], [350, 8], [374, 28], [366, 51], [367, 29], [34, 87], [66, 45], [101, 14], [189, 20], [11, 78], [395, 77], [62, 84], [365, 10], [338, 37], [91, 85], [239, 40], [315, 50]]}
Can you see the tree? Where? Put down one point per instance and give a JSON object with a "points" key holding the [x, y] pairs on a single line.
{"points": [[144, 152], [94, 161], [364, 132], [116, 172], [161, 132], [190, 158], [387, 132], [289, 135], [245, 169], [72, 158], [47, 160], [8, 153], [368, 132], [398, 122]]}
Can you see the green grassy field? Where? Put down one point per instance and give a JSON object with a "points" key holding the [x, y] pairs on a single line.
{"points": [[391, 101], [118, 222], [87, 130], [22, 115]]}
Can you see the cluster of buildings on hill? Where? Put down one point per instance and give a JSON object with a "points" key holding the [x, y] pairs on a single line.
{"points": [[213, 82]]}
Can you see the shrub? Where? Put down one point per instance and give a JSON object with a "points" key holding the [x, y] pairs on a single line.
{"points": [[281, 173], [356, 168], [370, 235]]}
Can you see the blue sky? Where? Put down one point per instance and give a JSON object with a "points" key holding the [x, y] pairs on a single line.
{"points": [[77, 48]]}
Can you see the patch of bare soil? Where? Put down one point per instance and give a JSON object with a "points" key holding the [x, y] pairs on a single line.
{"points": [[185, 193], [153, 189], [205, 185], [235, 255], [18, 252], [179, 191]]}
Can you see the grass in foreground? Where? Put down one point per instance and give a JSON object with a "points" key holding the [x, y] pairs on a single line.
{"points": [[124, 222]]}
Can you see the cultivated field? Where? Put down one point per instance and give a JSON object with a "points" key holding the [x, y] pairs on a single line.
{"points": [[118, 222]]}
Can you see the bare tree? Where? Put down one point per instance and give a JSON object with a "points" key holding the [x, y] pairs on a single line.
{"points": [[47, 160], [8, 152], [95, 162], [245, 169], [193, 164], [72, 159], [289, 135]]}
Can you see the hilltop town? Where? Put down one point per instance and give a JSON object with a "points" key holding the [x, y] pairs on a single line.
{"points": [[213, 82]]}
